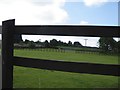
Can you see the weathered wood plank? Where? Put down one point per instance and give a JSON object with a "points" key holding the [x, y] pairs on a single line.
{"points": [[77, 67], [70, 30]]}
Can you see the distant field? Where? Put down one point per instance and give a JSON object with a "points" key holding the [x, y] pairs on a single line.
{"points": [[68, 56], [78, 48], [38, 78]]}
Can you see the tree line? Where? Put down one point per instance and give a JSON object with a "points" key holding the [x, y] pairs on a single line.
{"points": [[48, 44], [106, 44]]}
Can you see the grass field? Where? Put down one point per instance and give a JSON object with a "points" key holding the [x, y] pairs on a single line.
{"points": [[68, 56], [38, 78]]}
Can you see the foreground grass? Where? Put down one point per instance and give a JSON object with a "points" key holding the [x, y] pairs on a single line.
{"points": [[38, 78]]}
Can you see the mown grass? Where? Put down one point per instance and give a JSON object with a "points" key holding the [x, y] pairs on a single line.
{"points": [[68, 56], [38, 78]]}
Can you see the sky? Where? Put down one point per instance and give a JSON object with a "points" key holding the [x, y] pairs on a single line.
{"points": [[52, 12]]}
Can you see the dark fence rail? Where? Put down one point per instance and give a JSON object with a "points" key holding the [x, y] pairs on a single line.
{"points": [[8, 60], [67, 30], [59, 65]]}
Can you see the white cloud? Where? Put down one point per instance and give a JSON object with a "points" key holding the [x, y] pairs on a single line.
{"points": [[91, 0], [90, 3], [84, 23], [33, 11]]}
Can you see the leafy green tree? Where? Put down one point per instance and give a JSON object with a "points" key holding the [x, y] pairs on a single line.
{"points": [[53, 42], [26, 41], [60, 43], [69, 43], [107, 44], [31, 44], [77, 44], [46, 43]]}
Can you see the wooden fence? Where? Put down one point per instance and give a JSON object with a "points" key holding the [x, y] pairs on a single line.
{"points": [[9, 29]]}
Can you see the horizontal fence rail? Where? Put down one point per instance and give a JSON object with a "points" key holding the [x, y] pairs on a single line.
{"points": [[94, 31], [78, 67], [68, 30]]}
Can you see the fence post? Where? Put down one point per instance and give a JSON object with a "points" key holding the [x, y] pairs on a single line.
{"points": [[0, 64], [7, 53]]}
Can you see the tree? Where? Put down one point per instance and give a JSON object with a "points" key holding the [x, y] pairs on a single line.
{"points": [[77, 44], [31, 44], [26, 41], [69, 43], [107, 44], [46, 43], [60, 43], [53, 42], [38, 42]]}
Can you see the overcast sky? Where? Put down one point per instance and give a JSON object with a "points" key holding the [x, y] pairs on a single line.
{"points": [[80, 12]]}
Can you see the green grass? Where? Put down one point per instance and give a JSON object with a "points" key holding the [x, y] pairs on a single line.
{"points": [[38, 78], [68, 56], [76, 48]]}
